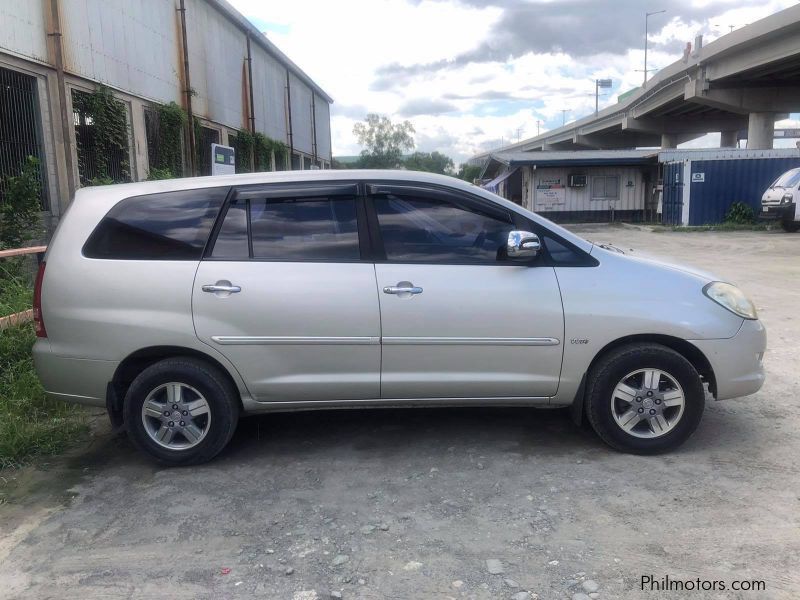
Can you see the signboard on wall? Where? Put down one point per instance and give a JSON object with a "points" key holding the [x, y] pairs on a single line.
{"points": [[223, 160], [550, 194]]}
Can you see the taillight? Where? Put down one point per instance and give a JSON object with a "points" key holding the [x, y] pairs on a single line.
{"points": [[38, 320]]}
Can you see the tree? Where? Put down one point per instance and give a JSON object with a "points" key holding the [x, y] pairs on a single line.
{"points": [[384, 142], [469, 172], [432, 162]]}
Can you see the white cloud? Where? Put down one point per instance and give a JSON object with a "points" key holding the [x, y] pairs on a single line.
{"points": [[351, 47]]}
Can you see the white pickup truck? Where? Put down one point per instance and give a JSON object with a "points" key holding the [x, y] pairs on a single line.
{"points": [[781, 199]]}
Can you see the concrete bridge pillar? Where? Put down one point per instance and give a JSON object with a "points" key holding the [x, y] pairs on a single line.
{"points": [[760, 130], [728, 139], [669, 140]]}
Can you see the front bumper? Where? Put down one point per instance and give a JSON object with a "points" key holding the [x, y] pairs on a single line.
{"points": [[737, 362], [781, 212], [77, 380]]}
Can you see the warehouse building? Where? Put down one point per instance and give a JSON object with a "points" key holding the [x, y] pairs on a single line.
{"points": [[105, 92]]}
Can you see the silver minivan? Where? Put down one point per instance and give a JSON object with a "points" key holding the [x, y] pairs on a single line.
{"points": [[181, 305]]}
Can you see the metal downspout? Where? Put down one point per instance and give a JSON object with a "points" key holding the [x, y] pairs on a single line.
{"points": [[188, 88], [252, 102], [289, 113], [66, 133], [314, 124]]}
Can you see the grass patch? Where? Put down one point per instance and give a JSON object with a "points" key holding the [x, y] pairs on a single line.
{"points": [[16, 293], [30, 425]]}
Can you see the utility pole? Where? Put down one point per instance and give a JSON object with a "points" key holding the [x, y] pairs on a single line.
{"points": [[646, 17], [564, 112], [538, 123]]}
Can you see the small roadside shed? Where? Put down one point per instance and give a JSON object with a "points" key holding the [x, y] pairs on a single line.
{"points": [[578, 185]]}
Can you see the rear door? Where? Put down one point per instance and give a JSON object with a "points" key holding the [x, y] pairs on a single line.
{"points": [[284, 293], [459, 320]]}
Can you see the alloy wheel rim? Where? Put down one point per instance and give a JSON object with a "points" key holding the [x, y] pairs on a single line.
{"points": [[648, 403], [176, 416]]}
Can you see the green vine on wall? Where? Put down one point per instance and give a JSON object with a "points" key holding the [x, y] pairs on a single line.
{"points": [[262, 149], [171, 121], [109, 121], [243, 145]]}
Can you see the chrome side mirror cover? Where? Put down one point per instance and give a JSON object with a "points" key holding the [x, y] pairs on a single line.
{"points": [[522, 245]]}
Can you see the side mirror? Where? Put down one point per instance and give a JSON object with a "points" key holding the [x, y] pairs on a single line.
{"points": [[522, 245]]}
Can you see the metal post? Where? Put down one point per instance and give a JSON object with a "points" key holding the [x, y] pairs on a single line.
{"points": [[596, 95], [188, 88]]}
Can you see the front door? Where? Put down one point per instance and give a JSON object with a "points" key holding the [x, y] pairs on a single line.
{"points": [[458, 319], [284, 294]]}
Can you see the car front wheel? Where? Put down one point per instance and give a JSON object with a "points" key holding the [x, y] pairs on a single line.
{"points": [[181, 411], [644, 399]]}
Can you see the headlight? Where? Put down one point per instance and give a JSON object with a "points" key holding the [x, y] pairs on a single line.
{"points": [[731, 297], [787, 199]]}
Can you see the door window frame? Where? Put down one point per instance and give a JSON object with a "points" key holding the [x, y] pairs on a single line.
{"points": [[302, 190]]}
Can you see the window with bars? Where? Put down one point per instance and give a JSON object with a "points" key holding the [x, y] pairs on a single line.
{"points": [[159, 155], [20, 128], [206, 137], [102, 154]]}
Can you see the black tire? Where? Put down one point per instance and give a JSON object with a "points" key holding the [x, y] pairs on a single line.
{"points": [[613, 367], [221, 396], [790, 226]]}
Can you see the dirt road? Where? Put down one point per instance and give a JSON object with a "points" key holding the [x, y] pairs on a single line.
{"points": [[434, 503]]}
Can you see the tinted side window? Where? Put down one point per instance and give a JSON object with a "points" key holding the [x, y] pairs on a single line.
{"points": [[290, 229], [432, 230], [166, 226]]}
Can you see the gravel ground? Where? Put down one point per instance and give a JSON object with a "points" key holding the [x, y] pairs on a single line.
{"points": [[472, 503]]}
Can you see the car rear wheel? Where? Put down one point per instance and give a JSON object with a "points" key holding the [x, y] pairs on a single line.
{"points": [[644, 399], [790, 226], [181, 411]]}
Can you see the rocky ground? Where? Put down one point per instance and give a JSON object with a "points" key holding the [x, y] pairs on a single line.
{"points": [[475, 503]]}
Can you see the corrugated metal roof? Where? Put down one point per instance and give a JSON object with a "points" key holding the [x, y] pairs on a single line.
{"points": [[577, 157], [724, 154]]}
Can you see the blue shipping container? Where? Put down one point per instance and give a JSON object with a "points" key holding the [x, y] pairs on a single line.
{"points": [[716, 184]]}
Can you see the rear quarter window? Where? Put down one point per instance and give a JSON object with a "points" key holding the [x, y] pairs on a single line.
{"points": [[165, 226]]}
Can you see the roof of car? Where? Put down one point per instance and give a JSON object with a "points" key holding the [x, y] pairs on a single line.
{"points": [[126, 190], [103, 198]]}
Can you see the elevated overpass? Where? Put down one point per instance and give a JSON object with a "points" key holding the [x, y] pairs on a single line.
{"points": [[746, 79]]}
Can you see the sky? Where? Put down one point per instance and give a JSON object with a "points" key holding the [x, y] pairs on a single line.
{"points": [[471, 75]]}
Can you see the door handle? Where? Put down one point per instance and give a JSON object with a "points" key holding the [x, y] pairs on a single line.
{"points": [[404, 288], [224, 287]]}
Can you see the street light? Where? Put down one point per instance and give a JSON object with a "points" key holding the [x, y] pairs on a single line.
{"points": [[646, 17], [599, 83]]}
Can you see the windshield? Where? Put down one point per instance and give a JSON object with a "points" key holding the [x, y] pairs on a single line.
{"points": [[788, 180]]}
